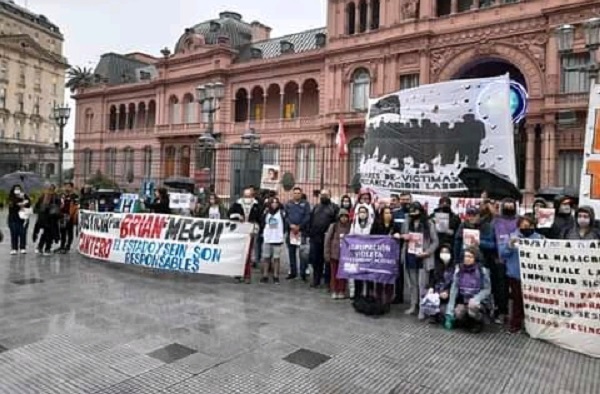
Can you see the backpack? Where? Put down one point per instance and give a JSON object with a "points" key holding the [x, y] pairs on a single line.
{"points": [[370, 306]]}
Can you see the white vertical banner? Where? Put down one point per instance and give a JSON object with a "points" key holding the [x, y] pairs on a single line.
{"points": [[561, 292], [589, 189]]}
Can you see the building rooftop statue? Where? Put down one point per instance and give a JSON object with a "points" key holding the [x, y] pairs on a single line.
{"points": [[41, 20]]}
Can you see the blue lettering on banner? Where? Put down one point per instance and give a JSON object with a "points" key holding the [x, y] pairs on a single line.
{"points": [[207, 254]]}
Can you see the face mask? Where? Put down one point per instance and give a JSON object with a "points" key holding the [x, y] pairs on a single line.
{"points": [[404, 205], [445, 209], [565, 209], [445, 257], [324, 200], [583, 222], [509, 211], [362, 216], [527, 232], [18, 192], [247, 200], [346, 205]]}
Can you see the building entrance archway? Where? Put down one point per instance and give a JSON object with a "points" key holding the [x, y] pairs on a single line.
{"points": [[492, 67]]}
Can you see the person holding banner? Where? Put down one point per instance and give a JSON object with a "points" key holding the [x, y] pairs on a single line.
{"points": [[420, 244], [510, 254], [563, 218], [272, 228], [583, 229], [363, 221], [384, 225], [470, 293], [400, 205]]}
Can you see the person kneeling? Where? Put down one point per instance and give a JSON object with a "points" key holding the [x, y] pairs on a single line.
{"points": [[440, 282], [469, 294]]}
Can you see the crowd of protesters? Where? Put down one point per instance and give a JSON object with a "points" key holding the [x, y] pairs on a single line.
{"points": [[451, 282]]}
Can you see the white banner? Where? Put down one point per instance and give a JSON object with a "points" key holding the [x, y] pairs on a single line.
{"points": [[561, 292], [182, 200], [169, 242], [418, 140], [589, 193]]}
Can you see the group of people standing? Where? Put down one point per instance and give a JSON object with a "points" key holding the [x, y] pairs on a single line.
{"points": [[57, 214], [455, 278]]}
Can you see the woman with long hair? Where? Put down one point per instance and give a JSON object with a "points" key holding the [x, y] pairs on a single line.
{"points": [[418, 253], [48, 208], [19, 210], [213, 209], [160, 204]]}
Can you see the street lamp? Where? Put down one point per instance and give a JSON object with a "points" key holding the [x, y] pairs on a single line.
{"points": [[208, 96], [565, 35], [61, 114]]}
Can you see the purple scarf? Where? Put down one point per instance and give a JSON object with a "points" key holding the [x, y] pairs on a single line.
{"points": [[469, 281]]}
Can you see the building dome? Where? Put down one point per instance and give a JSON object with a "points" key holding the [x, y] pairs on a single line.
{"points": [[229, 25]]}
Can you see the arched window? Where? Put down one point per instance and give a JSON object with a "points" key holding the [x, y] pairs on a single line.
{"points": [[306, 162], [151, 114], [375, 9], [87, 163], [184, 161], [122, 116], [89, 118], [112, 118], [351, 18], [174, 111], [169, 162], [362, 17], [270, 154], [241, 106], [128, 164], [355, 153], [110, 158], [361, 88], [131, 116], [189, 109], [147, 170]]}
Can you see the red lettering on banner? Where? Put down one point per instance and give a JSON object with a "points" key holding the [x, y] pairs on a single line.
{"points": [[95, 246], [142, 226]]}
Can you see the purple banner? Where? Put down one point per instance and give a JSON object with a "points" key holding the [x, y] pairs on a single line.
{"points": [[369, 257]]}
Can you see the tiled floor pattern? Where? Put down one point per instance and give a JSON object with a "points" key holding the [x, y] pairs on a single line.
{"points": [[69, 325]]}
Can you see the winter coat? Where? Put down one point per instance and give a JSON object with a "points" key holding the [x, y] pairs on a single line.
{"points": [[510, 255], [430, 245], [593, 233], [333, 238], [482, 297]]}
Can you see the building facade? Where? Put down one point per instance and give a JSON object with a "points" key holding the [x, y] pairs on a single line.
{"points": [[32, 80], [143, 121]]}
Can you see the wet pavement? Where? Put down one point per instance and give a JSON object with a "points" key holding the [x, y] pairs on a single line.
{"points": [[71, 325]]}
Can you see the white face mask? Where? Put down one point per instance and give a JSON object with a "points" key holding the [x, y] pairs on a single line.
{"points": [[445, 257], [362, 216], [583, 222]]}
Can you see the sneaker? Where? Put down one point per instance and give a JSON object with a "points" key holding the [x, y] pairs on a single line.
{"points": [[37, 251], [334, 296], [23, 251], [276, 281], [13, 252]]}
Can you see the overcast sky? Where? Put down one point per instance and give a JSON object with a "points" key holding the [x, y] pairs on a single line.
{"points": [[94, 27]]}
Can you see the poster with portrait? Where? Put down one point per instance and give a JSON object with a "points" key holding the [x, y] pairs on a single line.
{"points": [[270, 177], [418, 140]]}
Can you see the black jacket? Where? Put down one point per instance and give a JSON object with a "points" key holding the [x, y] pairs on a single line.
{"points": [[236, 211], [321, 218]]}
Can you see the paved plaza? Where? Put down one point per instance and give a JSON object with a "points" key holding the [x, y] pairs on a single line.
{"points": [[70, 325]]}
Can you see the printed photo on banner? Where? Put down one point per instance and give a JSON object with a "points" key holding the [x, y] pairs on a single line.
{"points": [[589, 188], [270, 177], [129, 203], [168, 242], [470, 238], [545, 217], [415, 243], [369, 257], [418, 140], [561, 292]]}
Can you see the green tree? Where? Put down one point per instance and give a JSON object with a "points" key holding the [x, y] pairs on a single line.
{"points": [[80, 78], [101, 181]]}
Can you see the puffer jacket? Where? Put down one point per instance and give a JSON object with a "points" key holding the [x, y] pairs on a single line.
{"points": [[510, 255]]}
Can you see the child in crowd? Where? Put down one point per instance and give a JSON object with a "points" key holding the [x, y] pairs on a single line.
{"points": [[333, 237]]}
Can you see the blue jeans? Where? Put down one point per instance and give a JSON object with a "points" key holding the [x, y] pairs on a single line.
{"points": [[18, 234]]}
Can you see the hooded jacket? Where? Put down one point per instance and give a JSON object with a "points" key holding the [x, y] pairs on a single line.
{"points": [[562, 222], [237, 211], [593, 233], [333, 236], [356, 227]]}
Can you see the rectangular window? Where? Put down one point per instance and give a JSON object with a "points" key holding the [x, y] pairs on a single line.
{"points": [[147, 162], [409, 81], [4, 70], [306, 166], [289, 111], [464, 5], [36, 105], [3, 98], [270, 154], [22, 72], [87, 163], [20, 103], [36, 132], [109, 163], [569, 168], [54, 85], [190, 112], [574, 75], [2, 129], [443, 7], [37, 83]]}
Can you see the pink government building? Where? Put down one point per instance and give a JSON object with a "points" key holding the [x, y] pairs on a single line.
{"points": [[141, 120]]}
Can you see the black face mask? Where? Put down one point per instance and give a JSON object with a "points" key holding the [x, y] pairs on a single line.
{"points": [[404, 205], [526, 232], [325, 200], [445, 209], [509, 211]]}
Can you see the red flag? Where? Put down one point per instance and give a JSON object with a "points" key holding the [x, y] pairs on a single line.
{"points": [[340, 139]]}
